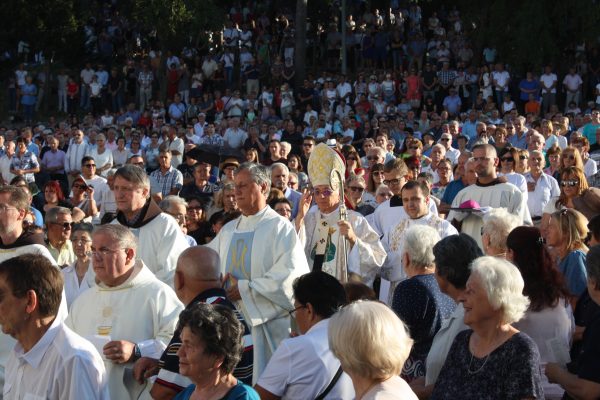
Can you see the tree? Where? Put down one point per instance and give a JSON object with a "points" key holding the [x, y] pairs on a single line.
{"points": [[529, 34], [51, 26]]}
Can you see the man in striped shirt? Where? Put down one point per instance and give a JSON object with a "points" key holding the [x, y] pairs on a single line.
{"points": [[197, 279], [166, 180]]}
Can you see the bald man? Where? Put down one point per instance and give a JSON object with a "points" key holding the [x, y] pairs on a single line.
{"points": [[198, 279]]}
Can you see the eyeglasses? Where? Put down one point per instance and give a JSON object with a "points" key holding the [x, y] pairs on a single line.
{"points": [[4, 208], [569, 156], [571, 183], [104, 251], [90, 165], [283, 210], [78, 186], [294, 310], [357, 189], [307, 144], [65, 225], [325, 193], [373, 158], [523, 157], [445, 139], [391, 182], [508, 159]]}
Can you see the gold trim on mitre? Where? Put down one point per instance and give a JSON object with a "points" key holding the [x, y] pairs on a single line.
{"points": [[326, 167]]}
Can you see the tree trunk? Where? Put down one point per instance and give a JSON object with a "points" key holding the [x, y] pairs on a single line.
{"points": [[300, 52]]}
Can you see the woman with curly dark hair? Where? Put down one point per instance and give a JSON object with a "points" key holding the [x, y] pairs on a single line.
{"points": [[549, 318]]}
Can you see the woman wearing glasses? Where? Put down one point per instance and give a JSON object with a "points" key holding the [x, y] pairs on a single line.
{"points": [[355, 187], [54, 197], [374, 180], [570, 157], [574, 193], [83, 199], [508, 162], [79, 276]]}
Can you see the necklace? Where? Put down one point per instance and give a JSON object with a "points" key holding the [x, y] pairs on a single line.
{"points": [[478, 369]]}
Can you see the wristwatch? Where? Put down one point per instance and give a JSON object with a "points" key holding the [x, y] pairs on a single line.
{"points": [[137, 353]]}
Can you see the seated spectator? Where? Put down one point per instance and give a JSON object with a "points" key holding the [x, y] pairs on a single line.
{"points": [[282, 207], [166, 180], [418, 300], [303, 366], [549, 318], [372, 344], [196, 221], [82, 198], [492, 350], [584, 382]]}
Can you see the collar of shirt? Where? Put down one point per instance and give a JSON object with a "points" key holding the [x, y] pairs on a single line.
{"points": [[34, 356]]}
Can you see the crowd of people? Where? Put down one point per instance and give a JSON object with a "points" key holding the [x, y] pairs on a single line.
{"points": [[417, 229]]}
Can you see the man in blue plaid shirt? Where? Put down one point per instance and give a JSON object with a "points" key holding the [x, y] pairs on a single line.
{"points": [[165, 180]]}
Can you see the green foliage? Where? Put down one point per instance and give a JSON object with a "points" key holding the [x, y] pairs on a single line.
{"points": [[529, 33], [51, 25], [176, 21]]}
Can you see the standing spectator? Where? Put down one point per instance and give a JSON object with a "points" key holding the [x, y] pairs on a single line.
{"points": [[86, 76], [501, 80], [50, 360], [62, 79], [29, 92], [166, 180], [548, 81], [72, 92], [59, 224], [145, 78], [24, 163], [373, 363], [572, 83], [80, 275], [493, 300]]}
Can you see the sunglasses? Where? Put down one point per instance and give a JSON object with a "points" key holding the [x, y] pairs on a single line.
{"points": [[569, 156], [391, 182], [65, 225], [78, 186], [523, 157], [90, 165], [571, 183], [326, 192], [373, 158]]}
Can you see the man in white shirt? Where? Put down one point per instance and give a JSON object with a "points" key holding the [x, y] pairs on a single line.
{"points": [[75, 153], [572, 84], [451, 153], [49, 361], [130, 314], [235, 136], [303, 367], [176, 146], [86, 76], [541, 187], [501, 79], [280, 174], [548, 81]]}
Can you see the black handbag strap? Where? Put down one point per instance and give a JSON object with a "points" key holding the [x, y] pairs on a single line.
{"points": [[331, 384]]}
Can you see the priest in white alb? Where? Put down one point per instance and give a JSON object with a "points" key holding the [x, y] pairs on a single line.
{"points": [[128, 315], [261, 256], [343, 246], [415, 201]]}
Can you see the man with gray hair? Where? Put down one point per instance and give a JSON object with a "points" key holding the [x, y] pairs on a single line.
{"points": [[59, 224], [160, 238], [130, 314], [519, 137], [261, 256], [280, 175]]}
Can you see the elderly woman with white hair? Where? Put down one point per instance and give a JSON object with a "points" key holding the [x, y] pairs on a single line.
{"points": [[418, 300], [497, 224], [372, 344], [492, 360]]}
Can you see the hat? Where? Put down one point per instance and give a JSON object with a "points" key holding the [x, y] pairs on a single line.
{"points": [[228, 162], [326, 167], [372, 77]]}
